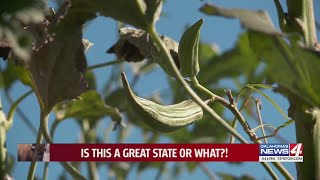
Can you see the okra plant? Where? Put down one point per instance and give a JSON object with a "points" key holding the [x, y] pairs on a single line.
{"points": [[44, 48]]}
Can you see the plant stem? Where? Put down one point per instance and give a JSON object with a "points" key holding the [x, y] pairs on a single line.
{"points": [[24, 118], [45, 171], [206, 170], [104, 64], [33, 164], [13, 108], [54, 127], [92, 167], [234, 122], [307, 118], [196, 98], [231, 107], [44, 129], [270, 171]]}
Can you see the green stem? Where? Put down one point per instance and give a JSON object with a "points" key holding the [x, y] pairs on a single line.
{"points": [[86, 131], [195, 97], [302, 10], [45, 171], [20, 113], [307, 118], [231, 107], [14, 106], [234, 122], [104, 64], [33, 164], [44, 129], [54, 127], [270, 171], [282, 170]]}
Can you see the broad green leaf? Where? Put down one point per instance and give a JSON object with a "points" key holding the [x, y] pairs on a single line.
{"points": [[90, 106], [253, 20], [131, 12], [117, 98], [206, 52], [188, 50], [91, 78], [238, 61], [153, 11], [295, 69], [139, 13], [163, 118]]}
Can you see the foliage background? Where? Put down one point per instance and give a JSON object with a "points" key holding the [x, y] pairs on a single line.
{"points": [[102, 32]]}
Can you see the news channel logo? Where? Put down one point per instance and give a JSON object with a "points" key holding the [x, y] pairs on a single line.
{"points": [[281, 152]]}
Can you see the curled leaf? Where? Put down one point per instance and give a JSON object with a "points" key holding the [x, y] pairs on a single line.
{"points": [[136, 45], [188, 50], [163, 118]]}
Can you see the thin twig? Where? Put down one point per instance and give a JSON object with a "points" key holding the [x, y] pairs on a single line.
{"points": [[229, 95], [230, 106], [207, 171], [234, 122], [104, 64], [258, 106]]}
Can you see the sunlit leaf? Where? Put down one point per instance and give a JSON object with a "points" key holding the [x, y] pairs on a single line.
{"points": [[295, 69], [90, 106], [163, 118], [153, 11]]}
